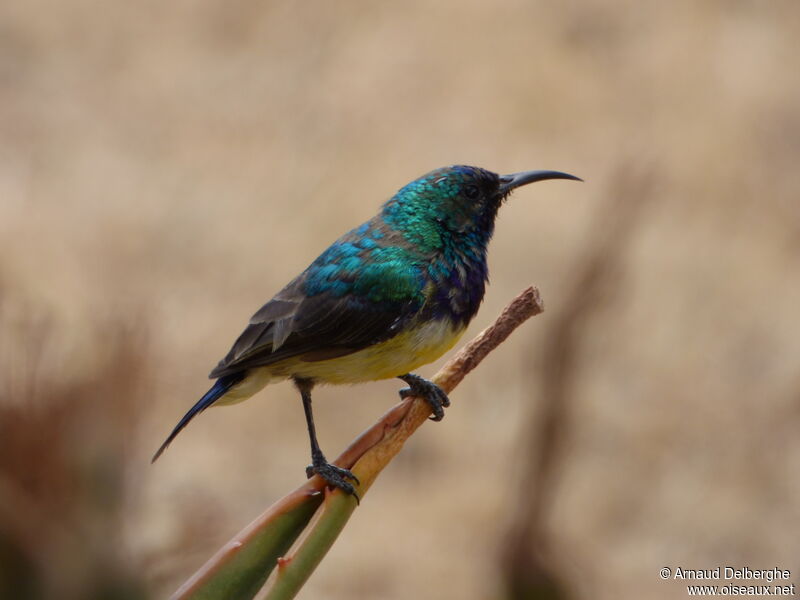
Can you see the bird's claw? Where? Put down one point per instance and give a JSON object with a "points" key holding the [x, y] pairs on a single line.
{"points": [[432, 393], [334, 476]]}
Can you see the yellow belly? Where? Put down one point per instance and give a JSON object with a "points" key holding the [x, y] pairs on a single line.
{"points": [[401, 354]]}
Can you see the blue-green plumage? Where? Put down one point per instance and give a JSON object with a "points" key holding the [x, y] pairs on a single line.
{"points": [[425, 248], [386, 297]]}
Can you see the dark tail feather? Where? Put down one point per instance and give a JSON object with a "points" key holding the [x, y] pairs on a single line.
{"points": [[220, 387]]}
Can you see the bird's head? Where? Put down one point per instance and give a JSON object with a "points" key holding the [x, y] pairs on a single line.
{"points": [[459, 198]]}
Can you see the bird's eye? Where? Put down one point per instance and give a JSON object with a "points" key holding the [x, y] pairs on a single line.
{"points": [[472, 191]]}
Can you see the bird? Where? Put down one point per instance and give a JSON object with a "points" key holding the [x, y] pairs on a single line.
{"points": [[391, 295]]}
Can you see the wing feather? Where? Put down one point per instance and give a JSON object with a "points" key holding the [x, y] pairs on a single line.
{"points": [[315, 327]]}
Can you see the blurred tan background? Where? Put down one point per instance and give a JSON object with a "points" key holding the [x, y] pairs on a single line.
{"points": [[166, 167]]}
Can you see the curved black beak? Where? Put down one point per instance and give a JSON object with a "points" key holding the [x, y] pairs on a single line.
{"points": [[514, 180]]}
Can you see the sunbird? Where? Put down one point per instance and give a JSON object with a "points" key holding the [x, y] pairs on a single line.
{"points": [[387, 297]]}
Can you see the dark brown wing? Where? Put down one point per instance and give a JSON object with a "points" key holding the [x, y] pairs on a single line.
{"points": [[317, 327]]}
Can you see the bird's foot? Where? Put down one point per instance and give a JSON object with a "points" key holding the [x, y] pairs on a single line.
{"points": [[334, 476], [432, 393]]}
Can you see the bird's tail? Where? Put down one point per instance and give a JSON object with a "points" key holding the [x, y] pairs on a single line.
{"points": [[220, 388]]}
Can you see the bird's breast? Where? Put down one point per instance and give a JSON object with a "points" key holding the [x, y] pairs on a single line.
{"points": [[458, 282]]}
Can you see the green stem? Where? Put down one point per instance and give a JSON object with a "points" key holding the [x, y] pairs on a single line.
{"points": [[293, 572], [242, 566]]}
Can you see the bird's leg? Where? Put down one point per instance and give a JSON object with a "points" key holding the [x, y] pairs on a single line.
{"points": [[432, 393], [333, 475]]}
